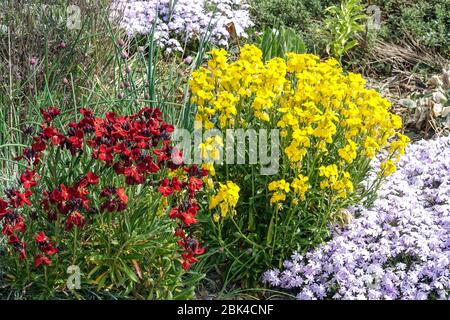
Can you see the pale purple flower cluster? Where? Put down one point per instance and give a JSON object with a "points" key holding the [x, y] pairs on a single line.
{"points": [[398, 249], [180, 22]]}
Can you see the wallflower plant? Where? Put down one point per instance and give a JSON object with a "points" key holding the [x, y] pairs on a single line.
{"points": [[330, 127], [106, 195]]}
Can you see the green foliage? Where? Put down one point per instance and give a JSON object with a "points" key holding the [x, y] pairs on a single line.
{"points": [[342, 24], [279, 41], [296, 14], [64, 73], [427, 22], [304, 16]]}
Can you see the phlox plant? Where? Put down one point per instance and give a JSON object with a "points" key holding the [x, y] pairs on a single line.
{"points": [[107, 195], [329, 125], [396, 250], [180, 24]]}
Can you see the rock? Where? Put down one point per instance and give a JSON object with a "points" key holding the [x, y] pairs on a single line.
{"points": [[445, 112], [435, 82], [439, 97], [408, 103], [437, 109]]}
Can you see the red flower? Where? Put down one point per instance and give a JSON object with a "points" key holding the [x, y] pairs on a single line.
{"points": [[91, 178], [41, 237], [28, 179], [195, 184], [162, 155], [188, 217], [49, 249], [122, 195], [104, 153], [53, 134], [134, 146], [64, 192], [45, 245], [133, 176], [50, 113], [86, 112], [179, 232], [41, 259], [75, 140], [24, 198], [17, 226], [188, 260], [20, 199], [13, 239], [164, 188], [38, 145], [3, 208], [174, 213], [22, 251], [152, 167], [75, 219], [176, 184]]}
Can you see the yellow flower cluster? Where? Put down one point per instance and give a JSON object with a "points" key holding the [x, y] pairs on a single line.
{"points": [[220, 89], [338, 181], [226, 199], [211, 148], [300, 186], [387, 168], [280, 188], [327, 118]]}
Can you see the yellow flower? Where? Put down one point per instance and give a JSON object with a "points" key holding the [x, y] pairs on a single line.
{"points": [[280, 185], [371, 147], [300, 186], [397, 147], [348, 153], [277, 197], [211, 149], [387, 168], [226, 198], [328, 171], [280, 188]]}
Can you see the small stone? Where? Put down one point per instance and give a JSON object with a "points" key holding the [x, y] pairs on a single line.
{"points": [[437, 109], [188, 60]]}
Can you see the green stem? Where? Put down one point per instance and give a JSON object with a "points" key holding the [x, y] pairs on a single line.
{"points": [[244, 236], [75, 245]]}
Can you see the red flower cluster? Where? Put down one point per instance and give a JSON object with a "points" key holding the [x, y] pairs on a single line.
{"points": [[46, 247], [136, 147], [191, 248], [116, 199]]}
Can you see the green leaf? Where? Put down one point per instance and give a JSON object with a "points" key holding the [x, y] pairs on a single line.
{"points": [[130, 273]]}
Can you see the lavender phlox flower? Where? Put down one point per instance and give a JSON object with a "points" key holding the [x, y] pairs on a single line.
{"points": [[397, 249]]}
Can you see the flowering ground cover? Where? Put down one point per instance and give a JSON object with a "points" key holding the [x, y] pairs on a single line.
{"points": [[397, 249], [176, 25]]}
